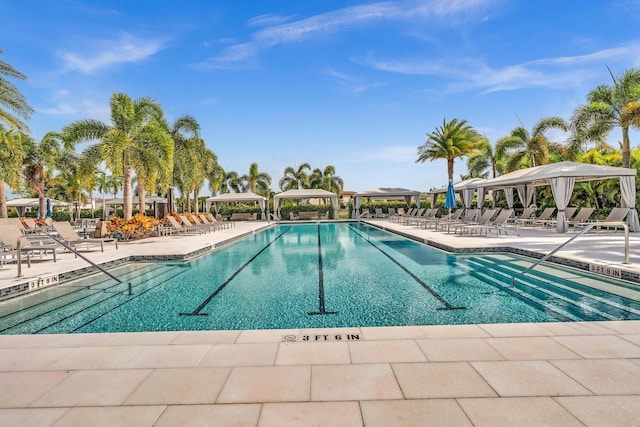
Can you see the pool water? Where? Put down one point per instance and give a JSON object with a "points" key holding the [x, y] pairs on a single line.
{"points": [[319, 275]]}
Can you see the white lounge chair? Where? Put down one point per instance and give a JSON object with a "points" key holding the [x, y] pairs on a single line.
{"points": [[500, 225], [486, 217], [68, 235]]}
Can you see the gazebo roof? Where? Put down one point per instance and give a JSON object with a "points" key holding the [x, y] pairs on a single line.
{"points": [[542, 175], [305, 194], [236, 197]]}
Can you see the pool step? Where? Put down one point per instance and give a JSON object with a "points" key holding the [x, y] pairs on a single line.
{"points": [[541, 301], [101, 295], [594, 303]]}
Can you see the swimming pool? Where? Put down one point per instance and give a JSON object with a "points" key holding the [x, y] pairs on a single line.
{"points": [[319, 275]]}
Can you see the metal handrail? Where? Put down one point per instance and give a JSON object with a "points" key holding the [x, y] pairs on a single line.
{"points": [[70, 248], [575, 236]]}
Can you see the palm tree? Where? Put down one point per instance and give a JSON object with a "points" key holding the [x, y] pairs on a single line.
{"points": [[295, 178], [13, 105], [256, 181], [612, 106], [326, 179], [103, 185], [215, 176], [11, 154], [484, 162], [524, 149], [184, 132], [39, 157], [231, 182], [137, 139], [452, 140]]}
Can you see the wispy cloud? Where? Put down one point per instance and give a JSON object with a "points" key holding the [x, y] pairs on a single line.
{"points": [[338, 21], [560, 72], [268, 19], [107, 53]]}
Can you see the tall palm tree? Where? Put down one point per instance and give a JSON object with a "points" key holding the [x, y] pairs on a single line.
{"points": [[13, 105], [184, 132], [103, 186], [137, 139], [484, 162], [452, 140], [11, 153], [326, 179], [295, 178], [39, 157], [613, 106], [524, 149], [256, 181]]}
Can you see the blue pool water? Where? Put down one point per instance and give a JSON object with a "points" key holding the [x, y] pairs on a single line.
{"points": [[321, 275]]}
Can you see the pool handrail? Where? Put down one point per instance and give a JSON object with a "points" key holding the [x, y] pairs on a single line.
{"points": [[69, 247], [587, 228]]}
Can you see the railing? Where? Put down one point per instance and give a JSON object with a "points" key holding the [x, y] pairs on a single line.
{"points": [[575, 236], [70, 248]]}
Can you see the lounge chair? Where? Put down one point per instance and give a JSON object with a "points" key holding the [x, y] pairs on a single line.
{"points": [[11, 236], [220, 224], [527, 217], [486, 217], [402, 214], [69, 236], [469, 218], [174, 227], [425, 214], [391, 213], [30, 225], [550, 222], [450, 217], [581, 218], [409, 217], [187, 223], [500, 225], [615, 217], [544, 217], [379, 213]]}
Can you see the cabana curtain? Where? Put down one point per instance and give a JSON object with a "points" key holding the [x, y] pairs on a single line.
{"points": [[562, 189], [628, 193]]}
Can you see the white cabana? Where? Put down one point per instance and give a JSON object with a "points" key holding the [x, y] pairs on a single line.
{"points": [[561, 177], [382, 193], [217, 201], [150, 201], [306, 194], [20, 205]]}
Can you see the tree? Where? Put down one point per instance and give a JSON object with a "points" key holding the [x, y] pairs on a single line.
{"points": [[524, 149], [215, 176], [484, 161], [612, 106], [326, 179], [136, 140], [39, 157], [231, 182], [11, 154], [184, 132], [256, 181], [295, 178], [13, 105], [452, 140]]}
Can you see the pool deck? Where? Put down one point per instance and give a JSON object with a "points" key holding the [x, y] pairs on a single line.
{"points": [[556, 374]]}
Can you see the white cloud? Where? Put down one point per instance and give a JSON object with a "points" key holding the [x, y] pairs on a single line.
{"points": [[112, 52], [341, 20], [560, 72], [268, 19]]}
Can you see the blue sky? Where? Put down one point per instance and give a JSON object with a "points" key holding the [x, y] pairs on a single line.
{"points": [[353, 84]]}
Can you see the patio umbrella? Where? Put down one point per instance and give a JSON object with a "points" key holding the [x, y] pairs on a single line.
{"points": [[49, 214], [450, 200]]}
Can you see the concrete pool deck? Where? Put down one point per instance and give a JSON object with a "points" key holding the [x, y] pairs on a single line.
{"points": [[560, 374]]}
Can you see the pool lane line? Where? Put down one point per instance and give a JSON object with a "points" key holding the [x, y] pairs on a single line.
{"points": [[198, 310], [446, 304], [321, 308]]}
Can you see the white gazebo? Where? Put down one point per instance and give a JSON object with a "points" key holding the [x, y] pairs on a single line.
{"points": [[217, 201], [20, 205], [150, 200], [305, 194], [561, 177], [384, 193]]}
